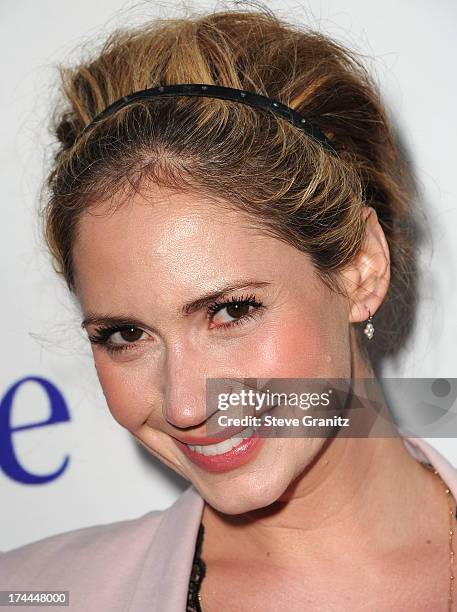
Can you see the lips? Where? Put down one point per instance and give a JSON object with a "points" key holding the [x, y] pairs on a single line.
{"points": [[228, 432], [223, 434], [235, 458]]}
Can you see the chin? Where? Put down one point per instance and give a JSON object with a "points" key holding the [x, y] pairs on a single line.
{"points": [[240, 501], [253, 489]]}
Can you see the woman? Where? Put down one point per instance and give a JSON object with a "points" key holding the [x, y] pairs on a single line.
{"points": [[207, 235]]}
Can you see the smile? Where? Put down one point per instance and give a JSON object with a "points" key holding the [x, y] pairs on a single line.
{"points": [[223, 447], [226, 455]]}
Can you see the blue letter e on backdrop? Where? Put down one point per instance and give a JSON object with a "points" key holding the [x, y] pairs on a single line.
{"points": [[9, 462]]}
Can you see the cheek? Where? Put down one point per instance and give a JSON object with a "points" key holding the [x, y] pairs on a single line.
{"points": [[127, 388], [303, 347]]}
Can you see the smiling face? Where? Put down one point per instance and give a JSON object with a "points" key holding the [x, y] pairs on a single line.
{"points": [[139, 267]]}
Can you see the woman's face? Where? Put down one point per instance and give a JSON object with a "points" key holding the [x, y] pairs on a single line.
{"points": [[141, 265]]}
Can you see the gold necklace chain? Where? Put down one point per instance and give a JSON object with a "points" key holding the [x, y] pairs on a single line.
{"points": [[451, 542], [450, 539]]}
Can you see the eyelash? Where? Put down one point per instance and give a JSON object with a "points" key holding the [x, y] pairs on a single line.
{"points": [[102, 335]]}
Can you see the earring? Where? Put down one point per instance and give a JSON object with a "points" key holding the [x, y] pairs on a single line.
{"points": [[369, 327]]}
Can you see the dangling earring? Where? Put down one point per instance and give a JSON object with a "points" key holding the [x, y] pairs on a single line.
{"points": [[369, 327]]}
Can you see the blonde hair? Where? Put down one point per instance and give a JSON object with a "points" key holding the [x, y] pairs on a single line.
{"points": [[245, 159]]}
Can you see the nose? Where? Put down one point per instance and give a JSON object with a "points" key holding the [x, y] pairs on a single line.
{"points": [[184, 401]]}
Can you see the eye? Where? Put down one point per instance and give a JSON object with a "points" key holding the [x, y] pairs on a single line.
{"points": [[127, 335], [117, 338], [238, 310], [235, 311]]}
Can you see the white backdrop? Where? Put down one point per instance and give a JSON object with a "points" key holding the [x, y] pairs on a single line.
{"points": [[108, 476]]}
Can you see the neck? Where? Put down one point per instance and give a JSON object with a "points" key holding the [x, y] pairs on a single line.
{"points": [[360, 495]]}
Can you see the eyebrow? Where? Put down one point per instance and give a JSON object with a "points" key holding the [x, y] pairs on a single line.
{"points": [[187, 309]]}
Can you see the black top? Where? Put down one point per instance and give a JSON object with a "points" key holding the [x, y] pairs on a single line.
{"points": [[197, 574]]}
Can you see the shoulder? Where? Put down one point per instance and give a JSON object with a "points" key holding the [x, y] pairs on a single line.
{"points": [[115, 566], [87, 537], [426, 452], [81, 555]]}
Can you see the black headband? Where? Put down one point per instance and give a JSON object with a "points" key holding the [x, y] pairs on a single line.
{"points": [[227, 93]]}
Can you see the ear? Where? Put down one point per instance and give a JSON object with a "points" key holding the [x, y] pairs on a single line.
{"points": [[367, 278]]}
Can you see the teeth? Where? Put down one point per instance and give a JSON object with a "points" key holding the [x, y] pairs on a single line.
{"points": [[223, 447]]}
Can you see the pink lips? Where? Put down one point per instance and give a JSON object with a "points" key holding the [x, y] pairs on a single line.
{"points": [[232, 459]]}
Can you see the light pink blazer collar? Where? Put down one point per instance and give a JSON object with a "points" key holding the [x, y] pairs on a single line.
{"points": [[140, 564]]}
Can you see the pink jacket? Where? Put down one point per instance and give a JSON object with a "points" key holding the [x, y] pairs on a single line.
{"points": [[135, 565]]}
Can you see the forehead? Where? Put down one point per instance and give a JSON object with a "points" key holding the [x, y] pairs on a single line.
{"points": [[157, 220], [175, 241]]}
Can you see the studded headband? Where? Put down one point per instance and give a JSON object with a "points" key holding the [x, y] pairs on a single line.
{"points": [[227, 93]]}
